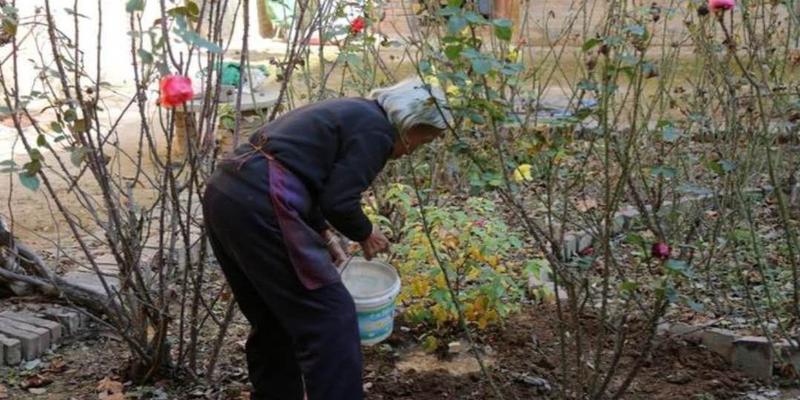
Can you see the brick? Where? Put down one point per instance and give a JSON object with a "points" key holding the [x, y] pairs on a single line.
{"points": [[11, 349], [69, 320], [30, 319], [719, 341], [753, 355], [32, 343]]}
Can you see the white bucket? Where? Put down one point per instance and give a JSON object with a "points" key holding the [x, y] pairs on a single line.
{"points": [[374, 286]]}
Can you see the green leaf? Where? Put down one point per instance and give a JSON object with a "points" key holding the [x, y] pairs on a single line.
{"points": [[194, 9], [425, 67], [635, 29], [41, 141], [502, 28], [134, 5], [80, 126], [664, 171], [629, 286], [35, 155], [456, 24], [728, 166], [670, 134], [77, 156], [678, 267], [56, 127], [29, 181], [477, 119], [146, 57], [475, 18], [70, 115], [453, 51], [481, 66], [590, 44]]}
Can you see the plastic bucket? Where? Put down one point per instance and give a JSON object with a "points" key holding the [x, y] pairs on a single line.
{"points": [[374, 286]]}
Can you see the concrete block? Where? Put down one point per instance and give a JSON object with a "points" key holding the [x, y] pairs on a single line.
{"points": [[753, 355], [570, 246], [720, 341], [584, 242], [31, 319], [686, 331], [33, 343], [11, 349], [69, 320]]}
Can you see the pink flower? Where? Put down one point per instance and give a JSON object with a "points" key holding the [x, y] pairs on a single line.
{"points": [[481, 223], [661, 250], [358, 25], [175, 90], [721, 5]]}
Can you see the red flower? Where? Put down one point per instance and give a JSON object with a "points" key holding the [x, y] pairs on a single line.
{"points": [[175, 90], [661, 250], [721, 5], [358, 25]]}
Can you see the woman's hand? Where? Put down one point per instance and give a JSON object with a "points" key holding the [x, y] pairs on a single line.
{"points": [[376, 243], [334, 247]]}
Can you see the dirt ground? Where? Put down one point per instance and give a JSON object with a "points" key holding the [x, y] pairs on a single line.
{"points": [[522, 357]]}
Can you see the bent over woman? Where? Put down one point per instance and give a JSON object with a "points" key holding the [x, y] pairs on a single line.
{"points": [[269, 211]]}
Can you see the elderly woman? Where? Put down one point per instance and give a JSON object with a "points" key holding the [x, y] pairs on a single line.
{"points": [[270, 211]]}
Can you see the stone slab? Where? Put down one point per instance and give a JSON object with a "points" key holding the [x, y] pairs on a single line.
{"points": [[32, 343], [11, 349], [90, 281], [719, 341], [69, 320], [31, 319], [753, 355]]}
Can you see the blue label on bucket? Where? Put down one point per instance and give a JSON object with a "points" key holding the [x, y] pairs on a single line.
{"points": [[376, 323]]}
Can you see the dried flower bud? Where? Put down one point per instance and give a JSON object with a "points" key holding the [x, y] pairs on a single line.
{"points": [[661, 250]]}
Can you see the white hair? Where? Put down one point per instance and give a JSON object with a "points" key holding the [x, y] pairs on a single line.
{"points": [[413, 102]]}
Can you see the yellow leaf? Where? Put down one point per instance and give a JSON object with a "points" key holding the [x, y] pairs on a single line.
{"points": [[440, 282], [451, 241], [439, 314], [430, 344], [420, 288], [523, 173], [473, 273], [474, 252], [454, 91]]}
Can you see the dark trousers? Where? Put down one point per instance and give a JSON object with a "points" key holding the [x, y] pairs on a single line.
{"points": [[301, 339]]}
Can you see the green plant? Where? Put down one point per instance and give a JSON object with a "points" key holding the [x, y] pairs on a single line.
{"points": [[477, 247]]}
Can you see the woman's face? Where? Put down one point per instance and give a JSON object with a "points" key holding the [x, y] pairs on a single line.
{"points": [[414, 138]]}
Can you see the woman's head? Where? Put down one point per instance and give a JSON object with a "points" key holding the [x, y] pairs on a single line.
{"points": [[417, 111]]}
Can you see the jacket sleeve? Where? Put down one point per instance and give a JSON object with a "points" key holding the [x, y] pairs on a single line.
{"points": [[316, 220], [362, 157]]}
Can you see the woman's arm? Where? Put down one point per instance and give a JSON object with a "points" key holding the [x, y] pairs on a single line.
{"points": [[362, 158]]}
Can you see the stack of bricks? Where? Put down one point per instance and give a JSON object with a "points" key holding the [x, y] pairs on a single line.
{"points": [[26, 336]]}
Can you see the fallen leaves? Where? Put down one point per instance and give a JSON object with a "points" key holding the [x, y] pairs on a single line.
{"points": [[3, 392], [109, 389], [35, 381]]}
